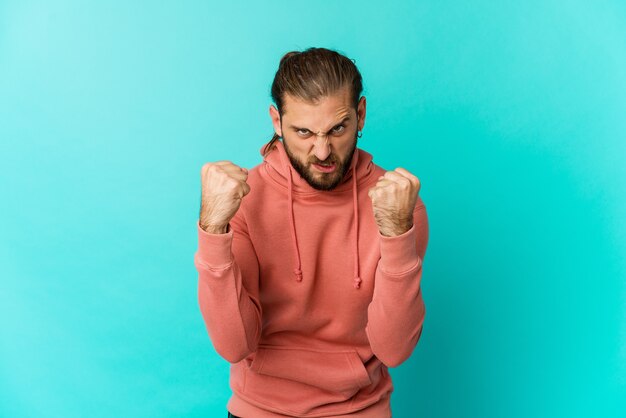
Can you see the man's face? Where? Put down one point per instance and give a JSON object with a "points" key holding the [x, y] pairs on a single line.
{"points": [[320, 139]]}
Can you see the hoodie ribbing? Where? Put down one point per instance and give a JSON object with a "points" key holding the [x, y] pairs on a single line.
{"points": [[288, 169]]}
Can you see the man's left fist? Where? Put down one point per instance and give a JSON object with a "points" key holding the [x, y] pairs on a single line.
{"points": [[393, 200]]}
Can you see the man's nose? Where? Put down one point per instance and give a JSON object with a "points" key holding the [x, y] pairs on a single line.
{"points": [[321, 147]]}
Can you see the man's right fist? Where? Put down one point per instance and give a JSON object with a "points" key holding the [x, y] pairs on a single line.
{"points": [[223, 187]]}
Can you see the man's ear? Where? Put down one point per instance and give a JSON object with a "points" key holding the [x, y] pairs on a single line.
{"points": [[361, 113], [276, 120]]}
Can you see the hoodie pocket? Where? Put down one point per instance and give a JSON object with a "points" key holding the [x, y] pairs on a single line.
{"points": [[334, 371]]}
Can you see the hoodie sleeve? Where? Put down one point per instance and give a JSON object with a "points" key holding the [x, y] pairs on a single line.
{"points": [[396, 312], [228, 289]]}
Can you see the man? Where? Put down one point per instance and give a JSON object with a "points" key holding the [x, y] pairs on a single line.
{"points": [[310, 263]]}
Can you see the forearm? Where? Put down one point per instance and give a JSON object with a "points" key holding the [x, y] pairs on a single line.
{"points": [[396, 312], [231, 314]]}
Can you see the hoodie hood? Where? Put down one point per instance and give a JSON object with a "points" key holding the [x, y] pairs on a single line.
{"points": [[280, 169]]}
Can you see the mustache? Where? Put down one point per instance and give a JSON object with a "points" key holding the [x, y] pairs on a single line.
{"points": [[330, 159]]}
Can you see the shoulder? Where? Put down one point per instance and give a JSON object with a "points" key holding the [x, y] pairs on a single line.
{"points": [[255, 175], [419, 204], [257, 180]]}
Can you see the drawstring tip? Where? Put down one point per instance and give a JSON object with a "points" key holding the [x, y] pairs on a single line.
{"points": [[298, 274], [357, 282]]}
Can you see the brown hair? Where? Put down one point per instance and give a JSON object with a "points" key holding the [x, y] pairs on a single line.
{"points": [[312, 74]]}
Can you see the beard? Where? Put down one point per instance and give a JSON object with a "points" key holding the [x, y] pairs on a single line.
{"points": [[319, 180]]}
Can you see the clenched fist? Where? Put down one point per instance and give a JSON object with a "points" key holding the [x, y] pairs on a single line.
{"points": [[393, 201], [223, 187]]}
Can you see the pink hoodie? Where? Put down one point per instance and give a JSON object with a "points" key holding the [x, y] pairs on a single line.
{"points": [[305, 297]]}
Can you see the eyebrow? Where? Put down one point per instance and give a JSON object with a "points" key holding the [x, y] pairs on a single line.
{"points": [[347, 118]]}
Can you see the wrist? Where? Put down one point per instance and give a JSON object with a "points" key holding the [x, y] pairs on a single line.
{"points": [[214, 229], [395, 229]]}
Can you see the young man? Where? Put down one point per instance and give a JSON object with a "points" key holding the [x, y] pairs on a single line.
{"points": [[310, 263]]}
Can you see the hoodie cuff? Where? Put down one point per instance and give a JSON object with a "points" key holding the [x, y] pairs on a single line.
{"points": [[215, 249], [398, 254]]}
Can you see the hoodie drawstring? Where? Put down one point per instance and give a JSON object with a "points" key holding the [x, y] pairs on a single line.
{"points": [[355, 242], [355, 201], [297, 271]]}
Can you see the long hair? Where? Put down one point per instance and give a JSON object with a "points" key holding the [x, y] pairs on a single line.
{"points": [[311, 75]]}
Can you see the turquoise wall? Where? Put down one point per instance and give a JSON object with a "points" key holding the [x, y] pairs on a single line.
{"points": [[512, 114]]}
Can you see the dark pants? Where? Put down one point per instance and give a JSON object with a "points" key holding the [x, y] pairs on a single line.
{"points": [[232, 416]]}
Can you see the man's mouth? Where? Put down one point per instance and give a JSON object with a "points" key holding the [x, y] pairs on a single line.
{"points": [[325, 167]]}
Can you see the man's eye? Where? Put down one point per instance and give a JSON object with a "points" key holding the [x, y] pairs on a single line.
{"points": [[302, 132], [338, 129]]}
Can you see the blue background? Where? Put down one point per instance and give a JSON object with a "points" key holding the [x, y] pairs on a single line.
{"points": [[512, 114]]}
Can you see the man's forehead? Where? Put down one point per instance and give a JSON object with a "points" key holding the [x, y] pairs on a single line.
{"points": [[326, 111]]}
